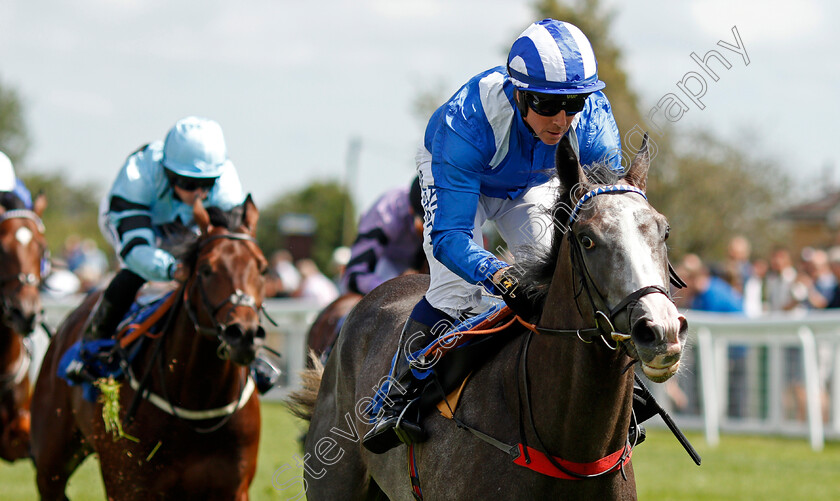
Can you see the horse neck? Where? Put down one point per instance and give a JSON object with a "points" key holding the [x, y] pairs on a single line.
{"points": [[580, 392], [194, 372]]}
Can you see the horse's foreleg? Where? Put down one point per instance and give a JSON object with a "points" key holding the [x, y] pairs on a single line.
{"points": [[57, 447], [54, 470]]}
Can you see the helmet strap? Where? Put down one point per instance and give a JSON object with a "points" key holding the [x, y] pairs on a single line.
{"points": [[521, 103], [519, 99]]}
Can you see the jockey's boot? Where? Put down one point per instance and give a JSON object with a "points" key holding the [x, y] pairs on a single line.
{"points": [[398, 420], [101, 326]]}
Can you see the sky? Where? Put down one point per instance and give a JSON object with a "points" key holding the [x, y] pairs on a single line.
{"points": [[294, 83]]}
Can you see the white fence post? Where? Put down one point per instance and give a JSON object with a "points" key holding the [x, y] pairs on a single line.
{"points": [[813, 395], [711, 414]]}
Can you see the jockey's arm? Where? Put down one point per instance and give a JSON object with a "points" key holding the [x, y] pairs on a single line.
{"points": [[379, 228], [130, 221], [360, 275], [457, 171]]}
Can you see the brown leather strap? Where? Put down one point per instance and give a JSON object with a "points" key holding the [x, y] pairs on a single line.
{"points": [[143, 328]]}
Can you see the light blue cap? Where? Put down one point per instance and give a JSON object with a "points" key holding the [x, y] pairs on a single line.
{"points": [[195, 147]]}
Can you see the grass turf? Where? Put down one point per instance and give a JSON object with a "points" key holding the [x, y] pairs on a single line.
{"points": [[740, 468]]}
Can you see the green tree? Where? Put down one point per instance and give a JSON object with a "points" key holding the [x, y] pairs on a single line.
{"points": [[14, 139], [71, 209], [596, 23], [325, 201], [709, 189]]}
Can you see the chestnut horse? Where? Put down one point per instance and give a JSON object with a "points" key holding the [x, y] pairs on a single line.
{"points": [[22, 247], [560, 397], [198, 424]]}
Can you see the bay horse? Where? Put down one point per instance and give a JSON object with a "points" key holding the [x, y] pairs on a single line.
{"points": [[567, 390], [322, 334], [22, 248], [197, 427]]}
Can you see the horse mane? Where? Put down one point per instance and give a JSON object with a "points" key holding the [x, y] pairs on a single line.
{"points": [[183, 243], [537, 264]]}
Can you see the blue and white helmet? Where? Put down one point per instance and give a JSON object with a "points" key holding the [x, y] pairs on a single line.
{"points": [[195, 147], [554, 57]]}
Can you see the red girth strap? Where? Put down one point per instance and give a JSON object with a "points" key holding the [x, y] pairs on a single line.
{"points": [[540, 463], [414, 475]]}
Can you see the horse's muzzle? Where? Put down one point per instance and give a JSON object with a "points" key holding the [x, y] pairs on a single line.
{"points": [[243, 343], [22, 322], [658, 333]]}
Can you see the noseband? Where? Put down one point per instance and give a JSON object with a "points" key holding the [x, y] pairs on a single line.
{"points": [[604, 322], [237, 298]]}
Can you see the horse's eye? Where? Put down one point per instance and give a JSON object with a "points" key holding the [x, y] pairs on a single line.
{"points": [[587, 242], [667, 233], [264, 270], [205, 270]]}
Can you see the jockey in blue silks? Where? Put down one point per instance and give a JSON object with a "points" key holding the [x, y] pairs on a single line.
{"points": [[157, 186], [488, 154], [10, 183]]}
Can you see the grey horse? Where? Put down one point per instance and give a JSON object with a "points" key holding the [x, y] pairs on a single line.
{"points": [[565, 391]]}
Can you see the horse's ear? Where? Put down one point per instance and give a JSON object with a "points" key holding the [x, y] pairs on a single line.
{"points": [[39, 204], [638, 172], [201, 217], [568, 168], [252, 214]]}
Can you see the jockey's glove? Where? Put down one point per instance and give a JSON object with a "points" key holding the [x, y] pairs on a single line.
{"points": [[507, 283]]}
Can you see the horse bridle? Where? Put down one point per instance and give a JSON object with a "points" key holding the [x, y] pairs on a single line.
{"points": [[21, 279], [604, 322], [603, 327], [237, 298]]}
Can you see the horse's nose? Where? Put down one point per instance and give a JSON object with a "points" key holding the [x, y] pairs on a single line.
{"points": [[243, 342], [21, 321], [659, 340]]}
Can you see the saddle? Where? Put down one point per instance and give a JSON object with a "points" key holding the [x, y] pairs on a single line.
{"points": [[463, 350], [145, 316]]}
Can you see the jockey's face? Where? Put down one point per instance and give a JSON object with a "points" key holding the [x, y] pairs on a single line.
{"points": [[190, 196], [549, 130]]}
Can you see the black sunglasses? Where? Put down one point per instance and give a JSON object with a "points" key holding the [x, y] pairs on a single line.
{"points": [[549, 105], [191, 183]]}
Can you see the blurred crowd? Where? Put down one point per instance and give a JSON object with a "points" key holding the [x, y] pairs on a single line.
{"points": [[303, 279], [81, 267], [754, 286]]}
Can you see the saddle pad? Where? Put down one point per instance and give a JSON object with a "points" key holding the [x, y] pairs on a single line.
{"points": [[449, 405], [142, 309], [459, 331], [97, 365], [139, 312]]}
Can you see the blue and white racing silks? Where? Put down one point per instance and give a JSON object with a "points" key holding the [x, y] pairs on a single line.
{"points": [[480, 145], [141, 200]]}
